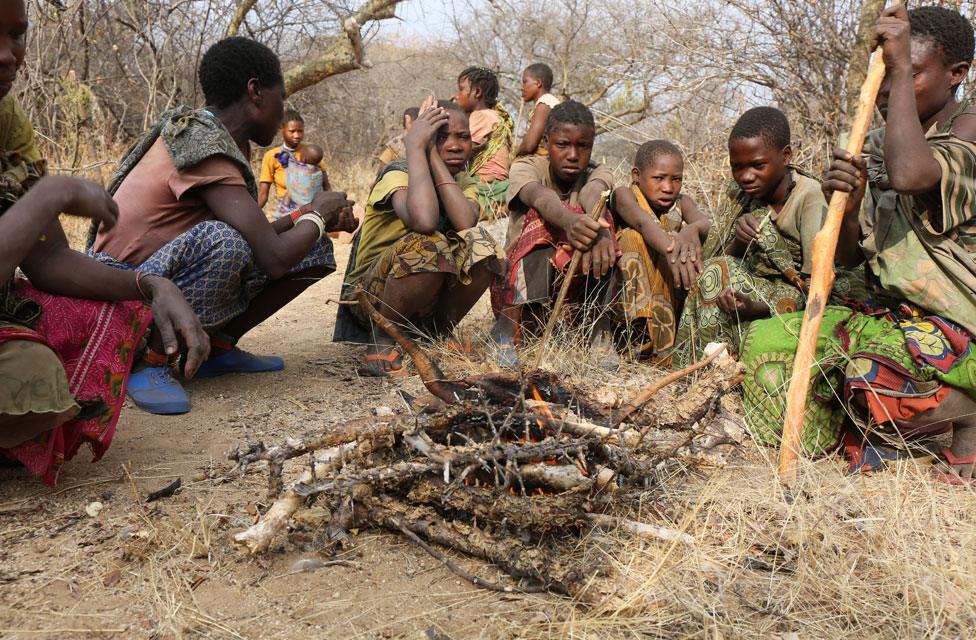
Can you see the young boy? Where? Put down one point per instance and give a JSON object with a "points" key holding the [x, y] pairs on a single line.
{"points": [[491, 135], [547, 198], [420, 256], [910, 218], [766, 222], [536, 87], [660, 237], [303, 179], [272, 171]]}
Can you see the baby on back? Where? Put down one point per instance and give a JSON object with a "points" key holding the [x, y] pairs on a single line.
{"points": [[303, 179]]}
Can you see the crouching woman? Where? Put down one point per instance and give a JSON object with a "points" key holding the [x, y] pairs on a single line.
{"points": [[420, 256]]}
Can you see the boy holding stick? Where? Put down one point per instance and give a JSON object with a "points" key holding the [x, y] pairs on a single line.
{"points": [[548, 197], [902, 362]]}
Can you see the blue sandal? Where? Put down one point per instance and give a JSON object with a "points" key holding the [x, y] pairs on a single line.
{"points": [[238, 361]]}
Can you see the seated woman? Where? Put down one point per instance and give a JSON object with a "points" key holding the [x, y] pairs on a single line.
{"points": [[420, 253], [188, 211], [65, 346]]}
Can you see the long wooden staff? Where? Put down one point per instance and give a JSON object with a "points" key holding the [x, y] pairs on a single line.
{"points": [[821, 281], [595, 214]]}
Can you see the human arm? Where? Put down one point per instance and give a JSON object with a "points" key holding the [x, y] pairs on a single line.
{"points": [[267, 177], [54, 267], [683, 272], [275, 251], [461, 212], [747, 229], [693, 217], [912, 168], [264, 189], [534, 132], [739, 305]]}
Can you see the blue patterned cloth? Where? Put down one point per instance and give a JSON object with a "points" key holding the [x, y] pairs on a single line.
{"points": [[214, 267]]}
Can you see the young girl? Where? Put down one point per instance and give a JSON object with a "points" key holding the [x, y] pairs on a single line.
{"points": [[491, 135], [420, 255], [536, 87], [660, 237]]}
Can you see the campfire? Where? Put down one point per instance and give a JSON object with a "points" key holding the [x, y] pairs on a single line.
{"points": [[509, 468]]}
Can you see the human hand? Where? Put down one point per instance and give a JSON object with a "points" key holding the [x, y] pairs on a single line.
{"points": [[747, 229], [423, 132], [893, 32], [582, 231], [176, 322], [738, 304], [846, 173], [685, 261], [600, 258], [80, 198], [334, 208]]}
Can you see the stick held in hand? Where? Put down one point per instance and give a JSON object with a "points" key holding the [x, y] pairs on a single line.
{"points": [[821, 281]]}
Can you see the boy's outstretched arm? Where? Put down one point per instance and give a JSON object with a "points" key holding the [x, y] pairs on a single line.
{"points": [[630, 212], [535, 131], [912, 169]]}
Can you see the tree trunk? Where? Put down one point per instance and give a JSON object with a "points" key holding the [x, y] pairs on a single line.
{"points": [[858, 69]]}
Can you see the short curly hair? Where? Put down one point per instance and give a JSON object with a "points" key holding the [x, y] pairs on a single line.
{"points": [[541, 72], [948, 29], [484, 79], [767, 123], [227, 66], [648, 152], [569, 112]]}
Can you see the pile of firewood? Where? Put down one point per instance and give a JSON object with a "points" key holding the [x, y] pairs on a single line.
{"points": [[509, 468]]}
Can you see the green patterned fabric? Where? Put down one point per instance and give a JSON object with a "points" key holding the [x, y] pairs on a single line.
{"points": [[768, 352], [853, 348], [771, 270], [191, 136], [922, 248]]}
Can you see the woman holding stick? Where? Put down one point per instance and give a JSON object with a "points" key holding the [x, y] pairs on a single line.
{"points": [[903, 360]]}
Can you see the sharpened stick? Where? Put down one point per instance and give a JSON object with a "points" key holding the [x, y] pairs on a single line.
{"points": [[821, 281], [595, 214]]}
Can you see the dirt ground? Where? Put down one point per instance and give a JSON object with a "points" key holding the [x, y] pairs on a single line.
{"points": [[168, 568]]}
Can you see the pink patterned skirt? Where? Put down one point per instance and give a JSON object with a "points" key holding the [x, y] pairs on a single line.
{"points": [[96, 342]]}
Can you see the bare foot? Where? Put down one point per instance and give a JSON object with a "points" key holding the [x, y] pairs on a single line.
{"points": [[383, 359]]}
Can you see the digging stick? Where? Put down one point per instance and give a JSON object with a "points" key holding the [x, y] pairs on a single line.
{"points": [[595, 214], [821, 281]]}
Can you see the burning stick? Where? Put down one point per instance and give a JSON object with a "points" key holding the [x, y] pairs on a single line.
{"points": [[428, 370], [595, 214], [822, 280]]}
